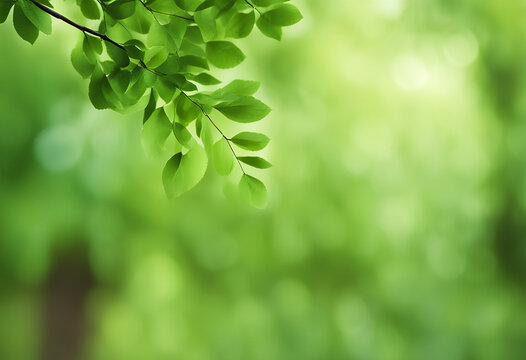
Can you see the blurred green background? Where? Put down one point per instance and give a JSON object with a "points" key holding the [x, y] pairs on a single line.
{"points": [[396, 220]]}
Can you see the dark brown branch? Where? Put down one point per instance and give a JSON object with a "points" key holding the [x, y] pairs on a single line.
{"points": [[74, 24]]}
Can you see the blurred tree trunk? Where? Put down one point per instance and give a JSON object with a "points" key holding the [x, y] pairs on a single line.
{"points": [[64, 299]]}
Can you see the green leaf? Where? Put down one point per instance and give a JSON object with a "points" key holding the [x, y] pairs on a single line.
{"points": [[140, 81], [186, 110], [23, 26], [140, 21], [198, 125], [165, 88], [206, 79], [190, 47], [183, 136], [5, 7], [283, 15], [177, 29], [39, 18], [121, 9], [110, 95], [92, 47], [169, 171], [244, 110], [253, 191], [170, 66], [134, 51], [206, 20], [155, 56], [96, 85], [223, 157], [191, 60], [235, 89], [80, 62], [119, 81], [224, 54], [150, 107], [269, 29], [90, 9], [189, 5], [109, 67], [255, 161], [265, 3], [183, 172], [169, 36], [240, 25], [206, 132], [193, 35], [250, 140], [118, 55], [159, 36], [155, 132]]}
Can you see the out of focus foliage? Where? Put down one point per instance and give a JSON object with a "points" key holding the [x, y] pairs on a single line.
{"points": [[395, 226]]}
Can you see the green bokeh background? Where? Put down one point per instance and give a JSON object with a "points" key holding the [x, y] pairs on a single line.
{"points": [[395, 227]]}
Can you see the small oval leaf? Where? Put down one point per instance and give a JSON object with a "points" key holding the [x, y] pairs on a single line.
{"points": [[253, 191], [250, 140]]}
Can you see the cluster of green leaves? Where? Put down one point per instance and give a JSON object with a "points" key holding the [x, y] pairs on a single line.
{"points": [[154, 56]]}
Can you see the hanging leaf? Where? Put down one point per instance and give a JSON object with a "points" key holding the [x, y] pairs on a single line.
{"points": [[241, 25], [244, 110], [155, 56], [40, 19], [80, 62], [179, 176], [283, 15], [206, 20], [253, 191], [183, 136], [250, 140], [118, 55], [255, 161], [121, 9], [92, 47], [223, 157], [5, 8], [224, 54], [90, 9], [169, 171], [23, 26], [155, 132], [269, 29]]}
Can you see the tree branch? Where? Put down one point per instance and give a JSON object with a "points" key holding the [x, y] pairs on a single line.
{"points": [[74, 24]]}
